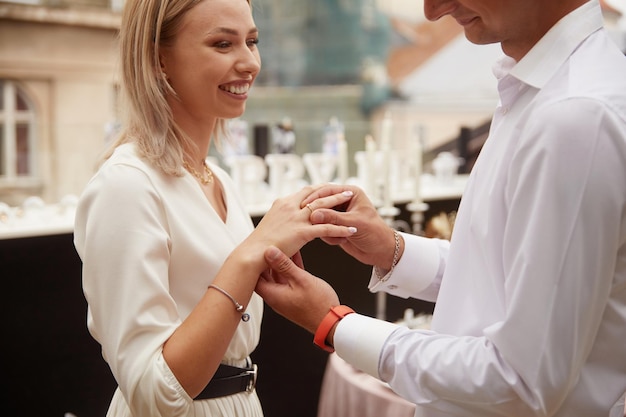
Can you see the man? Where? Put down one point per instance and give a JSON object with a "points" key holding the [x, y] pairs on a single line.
{"points": [[530, 316]]}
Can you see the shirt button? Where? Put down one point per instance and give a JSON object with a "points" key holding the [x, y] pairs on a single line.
{"points": [[505, 110], [392, 287]]}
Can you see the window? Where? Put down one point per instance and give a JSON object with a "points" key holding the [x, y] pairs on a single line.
{"points": [[17, 130]]}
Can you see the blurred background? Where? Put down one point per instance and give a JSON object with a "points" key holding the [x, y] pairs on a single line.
{"points": [[354, 63], [354, 60]]}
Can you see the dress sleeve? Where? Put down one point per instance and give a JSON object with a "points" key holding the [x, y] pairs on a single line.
{"points": [[121, 235]]}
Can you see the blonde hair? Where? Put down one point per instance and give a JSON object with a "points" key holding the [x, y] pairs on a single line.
{"points": [[146, 26]]}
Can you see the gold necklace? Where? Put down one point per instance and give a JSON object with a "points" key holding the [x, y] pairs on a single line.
{"points": [[204, 179]]}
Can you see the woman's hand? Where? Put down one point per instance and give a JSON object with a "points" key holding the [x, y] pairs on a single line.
{"points": [[373, 243], [287, 225]]}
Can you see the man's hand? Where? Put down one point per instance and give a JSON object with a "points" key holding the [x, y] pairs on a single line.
{"points": [[373, 243], [293, 292]]}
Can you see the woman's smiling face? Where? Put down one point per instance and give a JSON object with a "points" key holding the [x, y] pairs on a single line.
{"points": [[212, 61]]}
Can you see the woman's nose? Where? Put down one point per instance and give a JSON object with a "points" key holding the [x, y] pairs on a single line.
{"points": [[249, 62]]}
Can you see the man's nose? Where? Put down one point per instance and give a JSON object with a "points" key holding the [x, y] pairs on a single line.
{"points": [[436, 9]]}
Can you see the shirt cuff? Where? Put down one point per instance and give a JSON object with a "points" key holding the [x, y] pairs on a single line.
{"points": [[359, 341], [414, 272]]}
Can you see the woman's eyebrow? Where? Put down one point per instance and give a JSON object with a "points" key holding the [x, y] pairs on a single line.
{"points": [[230, 31]]}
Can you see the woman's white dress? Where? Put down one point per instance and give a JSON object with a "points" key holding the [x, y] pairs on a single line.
{"points": [[150, 245]]}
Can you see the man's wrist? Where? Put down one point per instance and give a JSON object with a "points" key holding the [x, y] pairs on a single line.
{"points": [[324, 335], [330, 337], [397, 253]]}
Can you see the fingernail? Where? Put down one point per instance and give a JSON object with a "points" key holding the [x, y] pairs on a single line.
{"points": [[352, 229], [347, 193]]}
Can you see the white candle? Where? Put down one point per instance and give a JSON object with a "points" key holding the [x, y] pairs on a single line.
{"points": [[370, 157], [342, 155], [417, 154], [385, 146], [385, 130]]}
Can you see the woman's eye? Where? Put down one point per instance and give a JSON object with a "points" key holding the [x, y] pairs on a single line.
{"points": [[222, 45], [252, 42]]}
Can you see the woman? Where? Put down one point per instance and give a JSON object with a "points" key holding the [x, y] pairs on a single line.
{"points": [[169, 261]]}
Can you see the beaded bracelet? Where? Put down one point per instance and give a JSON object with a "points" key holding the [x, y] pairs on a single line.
{"points": [[239, 307], [396, 254]]}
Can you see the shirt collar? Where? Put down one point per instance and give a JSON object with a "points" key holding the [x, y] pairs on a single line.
{"points": [[538, 66]]}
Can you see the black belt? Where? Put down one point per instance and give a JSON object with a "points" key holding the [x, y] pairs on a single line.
{"points": [[229, 380]]}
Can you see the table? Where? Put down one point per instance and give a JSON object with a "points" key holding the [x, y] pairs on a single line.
{"points": [[348, 392], [50, 360]]}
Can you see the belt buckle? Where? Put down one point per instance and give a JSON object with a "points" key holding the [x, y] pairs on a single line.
{"points": [[253, 374]]}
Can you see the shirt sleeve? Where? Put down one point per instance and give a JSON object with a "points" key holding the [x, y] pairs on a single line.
{"points": [[418, 272], [359, 339], [121, 235]]}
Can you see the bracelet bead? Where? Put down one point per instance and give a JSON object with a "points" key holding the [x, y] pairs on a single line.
{"points": [[238, 307]]}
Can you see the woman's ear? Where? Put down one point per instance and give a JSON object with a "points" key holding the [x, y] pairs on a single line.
{"points": [[162, 67]]}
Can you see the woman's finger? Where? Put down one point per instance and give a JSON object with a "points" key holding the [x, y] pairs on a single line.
{"points": [[327, 230], [334, 241], [331, 201], [326, 190]]}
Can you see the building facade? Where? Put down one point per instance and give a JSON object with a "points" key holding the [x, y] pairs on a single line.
{"points": [[58, 94]]}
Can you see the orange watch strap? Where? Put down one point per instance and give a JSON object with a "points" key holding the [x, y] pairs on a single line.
{"points": [[334, 315]]}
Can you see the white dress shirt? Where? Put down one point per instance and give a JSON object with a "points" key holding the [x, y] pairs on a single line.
{"points": [[530, 316], [150, 244]]}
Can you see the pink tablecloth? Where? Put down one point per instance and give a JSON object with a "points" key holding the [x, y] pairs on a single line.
{"points": [[347, 392]]}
